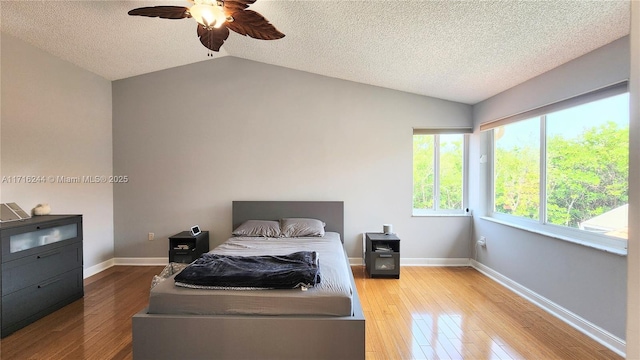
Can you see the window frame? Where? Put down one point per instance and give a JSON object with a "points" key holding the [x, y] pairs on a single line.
{"points": [[541, 226], [436, 211]]}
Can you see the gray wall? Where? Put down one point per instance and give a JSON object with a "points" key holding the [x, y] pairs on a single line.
{"points": [[56, 121], [588, 282], [193, 139], [633, 284], [604, 66]]}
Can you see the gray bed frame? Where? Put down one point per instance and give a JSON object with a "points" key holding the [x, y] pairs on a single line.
{"points": [[160, 336]]}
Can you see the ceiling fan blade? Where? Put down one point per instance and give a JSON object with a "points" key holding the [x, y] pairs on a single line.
{"points": [[165, 12], [212, 38], [231, 6], [250, 23]]}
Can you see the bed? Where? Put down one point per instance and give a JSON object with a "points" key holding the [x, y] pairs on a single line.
{"points": [[251, 324]]}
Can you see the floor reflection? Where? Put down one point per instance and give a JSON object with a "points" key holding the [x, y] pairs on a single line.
{"points": [[458, 313]]}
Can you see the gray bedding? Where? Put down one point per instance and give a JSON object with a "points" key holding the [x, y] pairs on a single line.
{"points": [[332, 297]]}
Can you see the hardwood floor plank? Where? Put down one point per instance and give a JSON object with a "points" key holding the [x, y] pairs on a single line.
{"points": [[429, 313]]}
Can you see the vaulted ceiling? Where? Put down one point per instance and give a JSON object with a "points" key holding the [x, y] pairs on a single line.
{"points": [[464, 51]]}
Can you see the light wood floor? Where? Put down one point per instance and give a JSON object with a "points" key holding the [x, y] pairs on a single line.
{"points": [[458, 313], [439, 313]]}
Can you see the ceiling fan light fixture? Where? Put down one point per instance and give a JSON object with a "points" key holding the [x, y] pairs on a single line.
{"points": [[215, 19], [209, 16]]}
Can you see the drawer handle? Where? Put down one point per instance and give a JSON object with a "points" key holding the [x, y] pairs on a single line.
{"points": [[48, 283], [386, 255], [51, 253]]}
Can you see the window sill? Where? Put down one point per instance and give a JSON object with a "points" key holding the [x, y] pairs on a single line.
{"points": [[435, 214], [609, 249]]}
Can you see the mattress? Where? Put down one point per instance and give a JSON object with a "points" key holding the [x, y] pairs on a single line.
{"points": [[332, 297]]}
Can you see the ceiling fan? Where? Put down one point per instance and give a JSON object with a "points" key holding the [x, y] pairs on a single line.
{"points": [[215, 18]]}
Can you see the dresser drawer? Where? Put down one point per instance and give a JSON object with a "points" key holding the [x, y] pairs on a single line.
{"points": [[35, 301], [38, 236], [37, 268]]}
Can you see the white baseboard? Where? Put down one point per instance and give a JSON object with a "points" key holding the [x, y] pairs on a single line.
{"points": [[90, 271], [160, 261], [595, 332], [434, 262], [421, 261]]}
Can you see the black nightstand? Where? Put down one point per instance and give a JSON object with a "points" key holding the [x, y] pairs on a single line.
{"points": [[185, 248], [382, 255]]}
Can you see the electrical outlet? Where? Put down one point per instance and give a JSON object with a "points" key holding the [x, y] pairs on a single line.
{"points": [[482, 241], [151, 236]]}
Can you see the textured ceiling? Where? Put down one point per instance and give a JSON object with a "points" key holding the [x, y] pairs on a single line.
{"points": [[463, 51]]}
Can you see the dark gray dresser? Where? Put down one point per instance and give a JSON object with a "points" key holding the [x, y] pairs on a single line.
{"points": [[41, 268]]}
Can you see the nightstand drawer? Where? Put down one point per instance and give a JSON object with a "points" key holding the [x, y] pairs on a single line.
{"points": [[385, 264], [183, 256], [382, 262]]}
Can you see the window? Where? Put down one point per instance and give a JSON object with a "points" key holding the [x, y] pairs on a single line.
{"points": [[566, 170], [517, 164], [439, 168]]}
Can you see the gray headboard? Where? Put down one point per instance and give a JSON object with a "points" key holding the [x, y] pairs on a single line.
{"points": [[331, 212]]}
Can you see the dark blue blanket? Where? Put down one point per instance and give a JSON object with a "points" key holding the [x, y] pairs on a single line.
{"points": [[267, 271]]}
